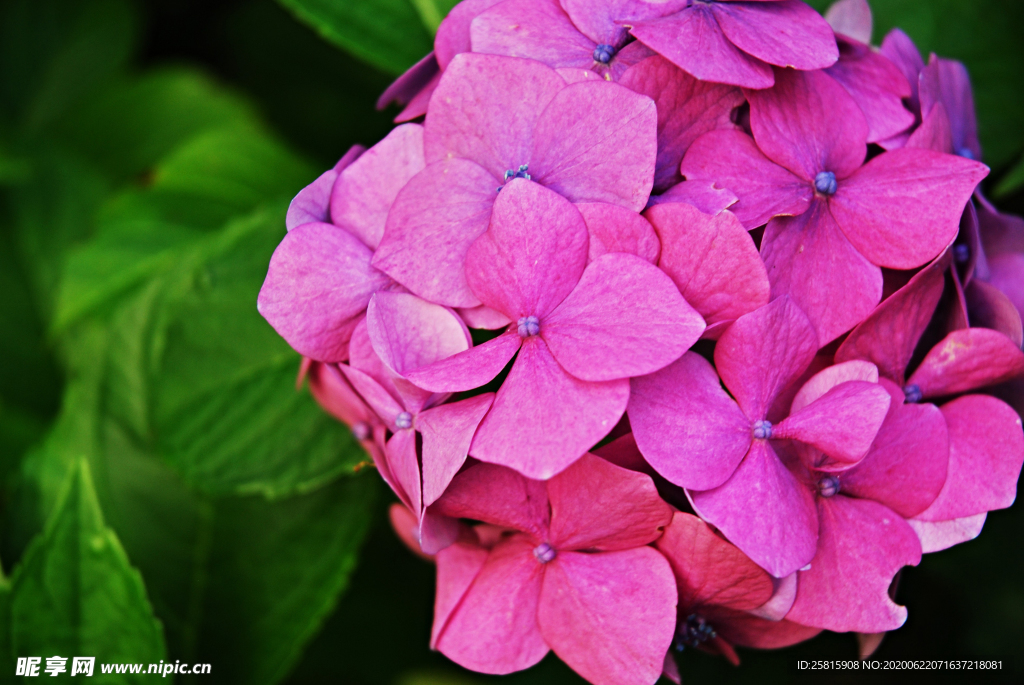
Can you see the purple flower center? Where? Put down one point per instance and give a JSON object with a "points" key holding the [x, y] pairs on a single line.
{"points": [[361, 430], [913, 394], [603, 53], [828, 486], [762, 430], [529, 325], [961, 253], [403, 420], [544, 553], [825, 183], [693, 632]]}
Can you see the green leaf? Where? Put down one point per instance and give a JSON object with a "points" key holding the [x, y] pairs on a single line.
{"points": [[1012, 181], [75, 593], [433, 11], [388, 34]]}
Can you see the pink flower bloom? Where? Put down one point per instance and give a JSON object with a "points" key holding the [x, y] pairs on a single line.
{"points": [[320, 278], [729, 41], [852, 18], [572, 323], [493, 119], [741, 484], [837, 219], [572, 574]]}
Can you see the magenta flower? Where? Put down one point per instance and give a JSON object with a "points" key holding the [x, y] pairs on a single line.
{"points": [[401, 333], [837, 219], [740, 484], [729, 41], [572, 573], [851, 18], [572, 323], [320, 278], [1002, 237], [494, 119]]}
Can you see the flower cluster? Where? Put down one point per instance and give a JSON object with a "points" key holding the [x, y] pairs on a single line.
{"points": [[672, 325]]}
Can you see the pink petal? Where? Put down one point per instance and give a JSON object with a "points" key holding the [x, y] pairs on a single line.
{"points": [[810, 259], [903, 207], [889, 335], [687, 108], [610, 616], [336, 396], [828, 378], [878, 87], [621, 303], [808, 123], [712, 261], [319, 279], [947, 81], [434, 220], [764, 511], [861, 547], [457, 568], [746, 630], [364, 358], [366, 190], [447, 432], [409, 333], [407, 87], [453, 35], [383, 403], [986, 449], [403, 463], [709, 570], [731, 160], [499, 496], [622, 451], [851, 18], [470, 369], [990, 308], [312, 204], [763, 352], [406, 527], [494, 627], [692, 40], [532, 29], [613, 228], [604, 23], [787, 33], [473, 116], [597, 142], [484, 318], [936, 536], [1007, 274], [557, 416], [683, 410], [597, 505], [901, 51], [906, 467], [701, 194], [968, 359], [934, 133], [842, 423], [417, 106]]}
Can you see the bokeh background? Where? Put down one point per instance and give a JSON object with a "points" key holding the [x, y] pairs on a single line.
{"points": [[166, 493]]}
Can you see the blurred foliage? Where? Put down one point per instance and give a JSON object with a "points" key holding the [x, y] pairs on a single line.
{"points": [[164, 490]]}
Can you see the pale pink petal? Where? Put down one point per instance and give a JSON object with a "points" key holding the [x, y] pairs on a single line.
{"points": [[990, 308], [732, 161], [692, 40], [409, 333], [906, 467], [597, 505], [597, 142], [365, 191], [765, 512], [336, 396], [781, 601], [543, 419], [470, 369], [498, 496], [453, 35], [703, 195], [484, 318], [712, 261], [682, 410], [828, 378], [747, 630], [670, 669], [436, 531], [788, 33], [861, 547], [947, 81], [493, 629], [533, 29], [842, 423], [808, 123], [611, 617], [457, 568], [889, 335], [968, 359], [434, 220], [903, 207], [614, 228], [763, 352], [447, 432], [605, 23], [878, 87], [709, 570], [376, 396], [406, 527], [936, 536], [851, 18], [319, 279], [621, 303], [400, 452], [313, 203], [687, 108], [810, 259], [473, 117], [986, 449]]}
